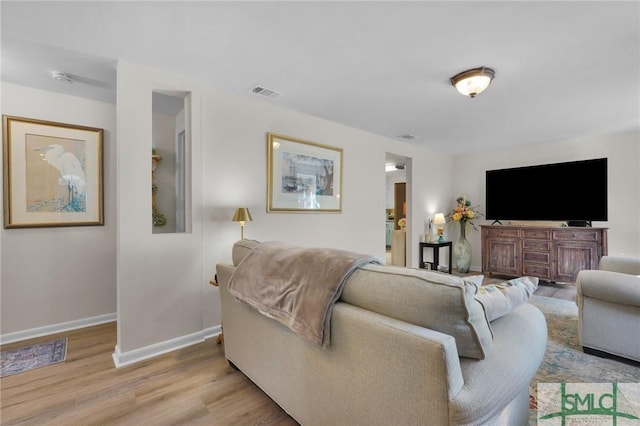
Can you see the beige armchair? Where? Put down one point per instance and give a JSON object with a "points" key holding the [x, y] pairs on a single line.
{"points": [[609, 307]]}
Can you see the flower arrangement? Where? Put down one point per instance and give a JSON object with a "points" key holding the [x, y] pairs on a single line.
{"points": [[402, 223], [464, 212]]}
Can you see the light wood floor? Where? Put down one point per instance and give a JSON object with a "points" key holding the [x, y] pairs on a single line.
{"points": [[557, 291], [191, 386]]}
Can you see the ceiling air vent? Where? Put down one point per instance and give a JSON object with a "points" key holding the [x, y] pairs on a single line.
{"points": [[263, 91], [407, 136]]}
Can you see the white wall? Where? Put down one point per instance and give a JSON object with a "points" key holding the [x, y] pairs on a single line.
{"points": [[55, 275], [159, 276], [59, 275], [163, 291], [235, 173], [623, 152], [161, 281]]}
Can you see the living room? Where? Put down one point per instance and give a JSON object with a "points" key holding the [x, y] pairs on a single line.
{"points": [[156, 286]]}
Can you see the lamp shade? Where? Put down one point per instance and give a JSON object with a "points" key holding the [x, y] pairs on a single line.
{"points": [[242, 214], [473, 81]]}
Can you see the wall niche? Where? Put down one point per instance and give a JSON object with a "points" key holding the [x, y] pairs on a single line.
{"points": [[171, 162]]}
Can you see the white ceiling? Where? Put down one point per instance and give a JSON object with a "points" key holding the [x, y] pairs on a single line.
{"points": [[563, 69]]}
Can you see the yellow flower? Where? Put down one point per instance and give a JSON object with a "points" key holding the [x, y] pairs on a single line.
{"points": [[464, 212]]}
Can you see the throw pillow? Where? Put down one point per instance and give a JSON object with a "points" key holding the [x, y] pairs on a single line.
{"points": [[500, 299], [475, 279]]}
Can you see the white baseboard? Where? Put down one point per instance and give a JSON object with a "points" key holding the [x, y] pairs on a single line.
{"points": [[121, 359], [212, 332], [56, 328]]}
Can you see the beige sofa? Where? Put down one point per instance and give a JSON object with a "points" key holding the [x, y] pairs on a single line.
{"points": [[609, 307], [384, 366]]}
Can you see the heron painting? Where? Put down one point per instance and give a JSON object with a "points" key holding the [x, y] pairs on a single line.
{"points": [[55, 175]]}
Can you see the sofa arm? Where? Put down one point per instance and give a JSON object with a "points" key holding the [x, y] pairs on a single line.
{"points": [[224, 272], [609, 286], [622, 264]]}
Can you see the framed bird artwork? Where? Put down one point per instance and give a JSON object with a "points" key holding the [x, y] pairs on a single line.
{"points": [[52, 174]]}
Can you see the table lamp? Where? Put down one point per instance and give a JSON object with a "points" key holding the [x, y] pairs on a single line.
{"points": [[439, 220], [241, 216]]}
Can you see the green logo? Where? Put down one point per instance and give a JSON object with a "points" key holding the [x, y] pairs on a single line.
{"points": [[588, 404]]}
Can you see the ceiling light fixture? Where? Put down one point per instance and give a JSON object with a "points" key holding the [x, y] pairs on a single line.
{"points": [[474, 81], [62, 76]]}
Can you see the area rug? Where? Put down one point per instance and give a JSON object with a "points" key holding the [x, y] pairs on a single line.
{"points": [[564, 361], [33, 356]]}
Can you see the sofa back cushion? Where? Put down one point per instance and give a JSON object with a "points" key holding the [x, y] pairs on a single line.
{"points": [[240, 249], [440, 302]]}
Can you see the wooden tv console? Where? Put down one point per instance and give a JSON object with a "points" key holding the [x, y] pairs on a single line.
{"points": [[554, 254]]}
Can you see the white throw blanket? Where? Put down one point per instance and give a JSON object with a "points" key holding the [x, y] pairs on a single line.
{"points": [[294, 285]]}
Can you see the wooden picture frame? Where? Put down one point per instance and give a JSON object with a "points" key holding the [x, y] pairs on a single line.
{"points": [[303, 176], [52, 174]]}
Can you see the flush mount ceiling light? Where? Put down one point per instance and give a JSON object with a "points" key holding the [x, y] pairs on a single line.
{"points": [[62, 76], [474, 81]]}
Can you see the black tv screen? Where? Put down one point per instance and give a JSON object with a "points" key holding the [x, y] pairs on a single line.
{"points": [[572, 191]]}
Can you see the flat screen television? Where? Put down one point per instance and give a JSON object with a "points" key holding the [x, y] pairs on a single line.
{"points": [[574, 191]]}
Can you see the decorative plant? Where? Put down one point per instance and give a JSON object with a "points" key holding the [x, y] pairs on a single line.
{"points": [[464, 212], [402, 223], [158, 218]]}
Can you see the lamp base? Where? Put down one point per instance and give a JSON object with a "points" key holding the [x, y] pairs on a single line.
{"points": [[441, 239]]}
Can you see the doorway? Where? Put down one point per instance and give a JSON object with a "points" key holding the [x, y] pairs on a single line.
{"points": [[396, 207]]}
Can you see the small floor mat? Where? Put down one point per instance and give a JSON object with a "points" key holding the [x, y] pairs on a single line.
{"points": [[30, 357]]}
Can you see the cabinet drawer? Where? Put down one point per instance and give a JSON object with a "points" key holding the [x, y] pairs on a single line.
{"points": [[539, 271], [576, 234], [540, 234], [498, 232], [536, 245], [536, 257]]}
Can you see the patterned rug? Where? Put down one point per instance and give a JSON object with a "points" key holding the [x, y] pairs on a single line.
{"points": [[31, 357], [564, 360]]}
